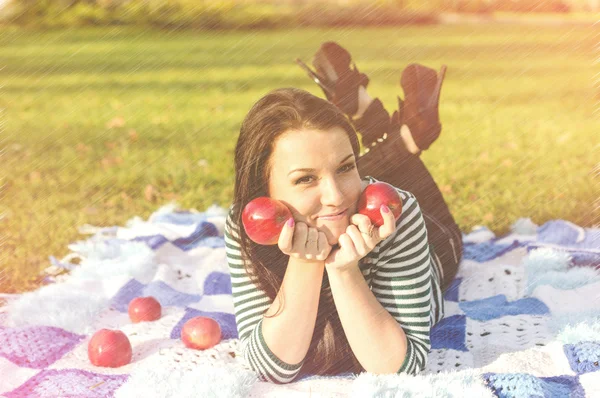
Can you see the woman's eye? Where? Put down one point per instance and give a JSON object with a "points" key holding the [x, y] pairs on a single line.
{"points": [[301, 180], [343, 169], [348, 167]]}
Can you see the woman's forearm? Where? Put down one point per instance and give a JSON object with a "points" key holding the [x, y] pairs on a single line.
{"points": [[375, 337], [288, 334]]}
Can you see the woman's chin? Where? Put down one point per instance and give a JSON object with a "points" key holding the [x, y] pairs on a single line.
{"points": [[334, 238]]}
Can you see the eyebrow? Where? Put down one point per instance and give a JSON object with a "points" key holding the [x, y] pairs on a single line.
{"points": [[311, 170]]}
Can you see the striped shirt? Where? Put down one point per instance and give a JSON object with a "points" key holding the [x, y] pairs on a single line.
{"points": [[401, 271]]}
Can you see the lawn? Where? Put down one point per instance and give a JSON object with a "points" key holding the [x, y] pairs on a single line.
{"points": [[100, 125]]}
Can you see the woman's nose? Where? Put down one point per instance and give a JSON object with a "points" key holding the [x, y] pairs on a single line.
{"points": [[332, 193]]}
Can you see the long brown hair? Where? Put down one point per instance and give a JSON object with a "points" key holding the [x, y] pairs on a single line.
{"points": [[277, 112]]}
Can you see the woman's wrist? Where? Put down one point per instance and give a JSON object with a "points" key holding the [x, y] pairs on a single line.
{"points": [[305, 262], [342, 272]]}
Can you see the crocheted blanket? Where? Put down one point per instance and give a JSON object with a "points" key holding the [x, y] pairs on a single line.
{"points": [[522, 318]]}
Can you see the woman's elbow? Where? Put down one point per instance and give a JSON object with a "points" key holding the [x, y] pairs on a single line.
{"points": [[417, 367]]}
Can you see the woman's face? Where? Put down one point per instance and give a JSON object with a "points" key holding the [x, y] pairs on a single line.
{"points": [[314, 173]]}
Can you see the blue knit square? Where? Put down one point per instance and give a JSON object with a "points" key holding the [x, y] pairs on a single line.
{"points": [[204, 230], [451, 293], [217, 283], [583, 357], [565, 233], [486, 251], [579, 257], [450, 333], [165, 294], [126, 293], [512, 385], [563, 386], [498, 306], [516, 385]]}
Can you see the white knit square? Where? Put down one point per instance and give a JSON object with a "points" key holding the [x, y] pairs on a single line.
{"points": [[481, 281], [13, 376], [452, 308], [138, 228], [178, 356], [513, 257], [560, 301], [186, 271], [146, 338], [441, 360], [178, 371], [488, 340], [215, 303], [539, 361], [591, 384]]}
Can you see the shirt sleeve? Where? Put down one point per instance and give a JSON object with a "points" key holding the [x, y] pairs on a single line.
{"points": [[402, 282], [250, 303]]}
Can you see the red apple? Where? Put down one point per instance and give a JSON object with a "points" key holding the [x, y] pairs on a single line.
{"points": [[264, 218], [144, 309], [201, 333], [109, 349], [377, 194]]}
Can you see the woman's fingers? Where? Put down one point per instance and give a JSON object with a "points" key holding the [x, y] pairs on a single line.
{"points": [[324, 246], [361, 221], [366, 227], [371, 234], [299, 241], [389, 223], [303, 242], [285, 241], [361, 247], [312, 243], [347, 244]]}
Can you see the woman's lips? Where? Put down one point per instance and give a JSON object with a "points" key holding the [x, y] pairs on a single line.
{"points": [[334, 218]]}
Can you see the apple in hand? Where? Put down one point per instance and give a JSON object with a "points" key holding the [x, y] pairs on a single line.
{"points": [[109, 349], [144, 309], [264, 218], [377, 194], [201, 333]]}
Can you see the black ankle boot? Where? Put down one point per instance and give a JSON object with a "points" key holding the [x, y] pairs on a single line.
{"points": [[422, 87], [337, 79]]}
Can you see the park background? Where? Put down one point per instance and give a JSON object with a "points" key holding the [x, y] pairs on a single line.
{"points": [[110, 109]]}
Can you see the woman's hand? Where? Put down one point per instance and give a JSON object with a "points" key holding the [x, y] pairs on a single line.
{"points": [[303, 242], [360, 239]]}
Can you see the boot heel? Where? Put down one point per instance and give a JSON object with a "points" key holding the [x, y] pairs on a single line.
{"points": [[435, 99], [422, 88], [337, 75]]}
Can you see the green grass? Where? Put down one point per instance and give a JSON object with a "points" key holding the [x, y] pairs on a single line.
{"points": [[574, 16], [519, 136]]}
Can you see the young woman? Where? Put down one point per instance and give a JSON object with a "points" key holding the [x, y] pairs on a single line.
{"points": [[336, 294]]}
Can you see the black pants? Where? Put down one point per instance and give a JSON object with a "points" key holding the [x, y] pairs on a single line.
{"points": [[406, 171]]}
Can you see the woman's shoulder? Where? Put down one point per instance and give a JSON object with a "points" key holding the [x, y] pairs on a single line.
{"points": [[231, 226], [229, 217]]}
